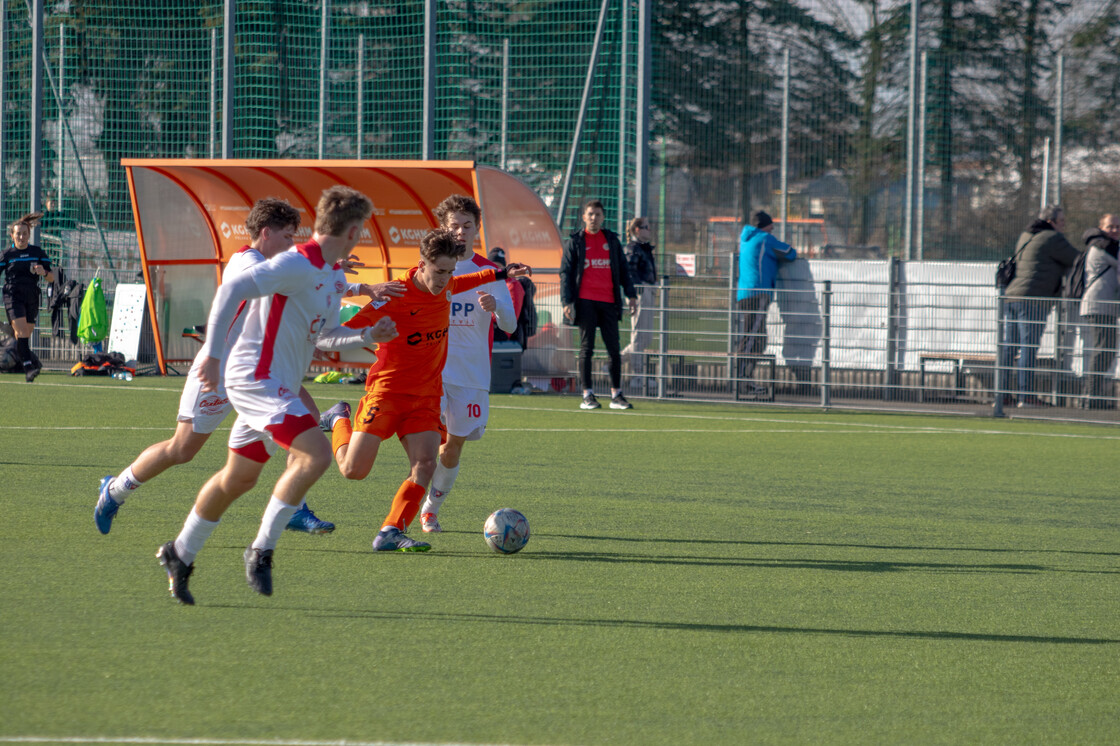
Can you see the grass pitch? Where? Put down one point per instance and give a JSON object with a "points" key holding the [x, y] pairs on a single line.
{"points": [[696, 574]]}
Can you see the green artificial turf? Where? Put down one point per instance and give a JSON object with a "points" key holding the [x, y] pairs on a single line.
{"points": [[696, 574]]}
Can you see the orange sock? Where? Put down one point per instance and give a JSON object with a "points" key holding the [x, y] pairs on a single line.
{"points": [[340, 436], [406, 504]]}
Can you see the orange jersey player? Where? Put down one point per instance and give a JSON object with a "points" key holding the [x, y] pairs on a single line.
{"points": [[403, 387]]}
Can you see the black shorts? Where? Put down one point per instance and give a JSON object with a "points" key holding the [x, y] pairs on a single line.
{"points": [[22, 303]]}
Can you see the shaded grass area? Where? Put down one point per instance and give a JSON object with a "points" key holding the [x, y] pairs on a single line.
{"points": [[696, 574]]}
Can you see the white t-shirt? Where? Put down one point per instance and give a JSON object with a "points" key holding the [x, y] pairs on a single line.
{"points": [[296, 295], [470, 334]]}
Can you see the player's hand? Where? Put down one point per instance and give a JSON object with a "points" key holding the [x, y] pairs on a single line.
{"points": [[488, 302], [210, 373], [518, 270], [384, 330], [351, 264], [383, 291], [569, 311]]}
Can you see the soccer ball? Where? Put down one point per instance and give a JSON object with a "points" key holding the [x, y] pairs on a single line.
{"points": [[506, 531]]}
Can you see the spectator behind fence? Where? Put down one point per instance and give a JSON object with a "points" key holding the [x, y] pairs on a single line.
{"points": [[593, 277], [1099, 311], [643, 272], [1044, 257], [759, 254]]}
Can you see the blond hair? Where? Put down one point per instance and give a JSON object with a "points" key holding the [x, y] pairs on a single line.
{"points": [[340, 207]]}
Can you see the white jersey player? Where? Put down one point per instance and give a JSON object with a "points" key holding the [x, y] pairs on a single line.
{"points": [[293, 304], [271, 224], [465, 406]]}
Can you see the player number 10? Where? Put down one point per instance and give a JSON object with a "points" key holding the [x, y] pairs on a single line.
{"points": [[474, 410]]}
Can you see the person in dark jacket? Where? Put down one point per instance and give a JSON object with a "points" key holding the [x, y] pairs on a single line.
{"points": [[23, 264], [1044, 256], [593, 276], [1099, 308], [643, 273]]}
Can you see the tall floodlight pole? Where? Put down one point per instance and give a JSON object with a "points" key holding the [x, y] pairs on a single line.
{"points": [[623, 117], [1059, 115], [428, 137], [3, 92], [921, 210], [1045, 195], [213, 92], [784, 206], [324, 77], [61, 113], [641, 122], [36, 111], [505, 103], [908, 219], [591, 63], [229, 18], [361, 89]]}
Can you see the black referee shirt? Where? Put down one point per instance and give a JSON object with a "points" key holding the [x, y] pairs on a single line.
{"points": [[16, 265]]}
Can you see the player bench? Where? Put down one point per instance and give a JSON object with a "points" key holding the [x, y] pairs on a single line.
{"points": [[963, 364]]}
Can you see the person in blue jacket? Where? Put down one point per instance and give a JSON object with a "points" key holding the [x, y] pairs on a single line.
{"points": [[759, 254]]}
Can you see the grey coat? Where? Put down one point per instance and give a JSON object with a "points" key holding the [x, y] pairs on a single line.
{"points": [[1102, 284]]}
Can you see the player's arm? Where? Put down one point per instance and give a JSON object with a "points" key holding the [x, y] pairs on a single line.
{"points": [[344, 338], [504, 313], [223, 311], [378, 291], [463, 283]]}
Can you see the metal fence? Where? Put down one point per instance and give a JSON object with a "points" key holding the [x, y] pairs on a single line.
{"points": [[909, 336]]}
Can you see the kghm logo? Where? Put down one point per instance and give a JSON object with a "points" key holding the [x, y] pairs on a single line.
{"points": [[408, 234], [226, 230], [414, 338], [394, 234]]}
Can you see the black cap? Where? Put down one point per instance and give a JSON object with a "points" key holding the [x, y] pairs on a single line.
{"points": [[497, 255], [761, 219]]}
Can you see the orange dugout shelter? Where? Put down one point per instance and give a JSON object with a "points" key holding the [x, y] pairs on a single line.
{"points": [[190, 218]]}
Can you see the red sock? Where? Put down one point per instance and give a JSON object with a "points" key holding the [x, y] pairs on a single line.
{"points": [[406, 504]]}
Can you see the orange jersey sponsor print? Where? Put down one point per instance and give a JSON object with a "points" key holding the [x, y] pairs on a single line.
{"points": [[412, 362]]}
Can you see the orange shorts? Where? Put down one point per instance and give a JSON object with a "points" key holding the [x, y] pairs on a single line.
{"points": [[384, 415]]}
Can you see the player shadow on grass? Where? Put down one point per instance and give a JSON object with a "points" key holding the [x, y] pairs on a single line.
{"points": [[459, 617], [839, 545]]}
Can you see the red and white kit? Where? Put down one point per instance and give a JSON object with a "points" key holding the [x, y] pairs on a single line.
{"points": [[206, 410], [466, 374], [296, 304]]}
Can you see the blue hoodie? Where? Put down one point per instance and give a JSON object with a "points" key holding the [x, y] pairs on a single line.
{"points": [[759, 254]]}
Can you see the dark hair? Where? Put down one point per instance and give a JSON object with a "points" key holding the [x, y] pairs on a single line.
{"points": [[440, 242], [273, 213], [497, 255], [340, 207], [632, 227], [1050, 213], [457, 203], [592, 203], [30, 220]]}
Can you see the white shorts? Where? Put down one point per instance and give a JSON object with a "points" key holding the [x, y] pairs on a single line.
{"points": [[205, 411], [263, 409], [465, 411]]}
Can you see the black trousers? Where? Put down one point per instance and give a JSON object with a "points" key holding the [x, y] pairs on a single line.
{"points": [[592, 315], [752, 338], [1102, 353]]}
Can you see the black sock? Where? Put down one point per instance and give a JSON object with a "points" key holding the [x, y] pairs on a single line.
{"points": [[23, 349]]}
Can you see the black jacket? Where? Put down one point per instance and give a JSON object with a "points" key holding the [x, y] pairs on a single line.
{"points": [[571, 269], [643, 266]]}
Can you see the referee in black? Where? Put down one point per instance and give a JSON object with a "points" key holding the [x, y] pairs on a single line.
{"points": [[23, 265]]}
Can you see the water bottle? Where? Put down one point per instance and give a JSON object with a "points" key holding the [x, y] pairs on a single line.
{"points": [[122, 375]]}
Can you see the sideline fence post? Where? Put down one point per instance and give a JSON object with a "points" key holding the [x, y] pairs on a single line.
{"points": [[997, 409], [826, 345], [662, 333]]}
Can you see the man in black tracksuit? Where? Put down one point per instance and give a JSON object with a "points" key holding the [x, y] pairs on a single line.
{"points": [[593, 275]]}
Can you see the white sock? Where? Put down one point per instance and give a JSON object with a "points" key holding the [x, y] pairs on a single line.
{"points": [[123, 484], [276, 517], [615, 392], [196, 530], [587, 393], [442, 481]]}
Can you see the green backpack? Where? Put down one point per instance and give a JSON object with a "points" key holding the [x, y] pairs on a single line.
{"points": [[93, 323]]}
